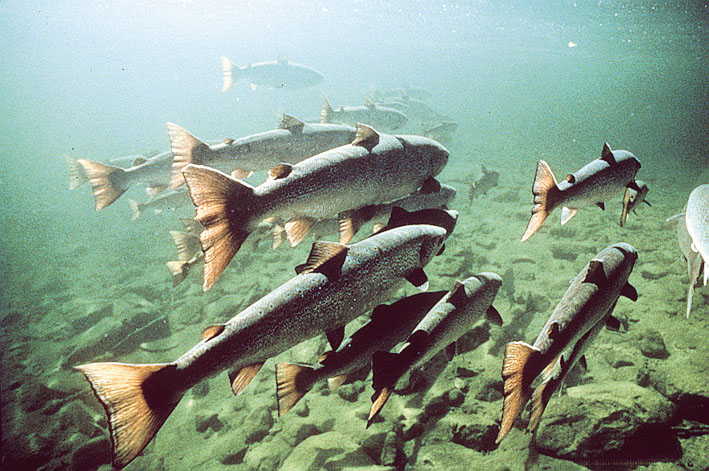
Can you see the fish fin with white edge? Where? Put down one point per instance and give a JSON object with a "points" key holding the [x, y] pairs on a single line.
{"points": [[518, 368], [325, 257], [187, 245], [545, 191], [218, 199], [178, 270], [612, 323], [493, 316], [77, 176], [297, 228], [242, 377], [601, 205], [137, 400], [386, 371], [105, 181], [292, 382], [540, 398], [632, 184], [134, 209], [567, 214], [186, 149], [366, 137], [228, 73], [629, 292], [596, 274]]}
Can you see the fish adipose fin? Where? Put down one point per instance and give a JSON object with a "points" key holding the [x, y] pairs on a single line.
{"points": [[241, 174], [217, 199], [519, 359], [77, 177], [228, 72], [545, 192], [242, 377], [366, 137], [137, 400], [186, 149], [292, 382], [104, 180], [325, 257]]}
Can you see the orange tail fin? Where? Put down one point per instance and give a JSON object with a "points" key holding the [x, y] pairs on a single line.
{"points": [[137, 400], [544, 190], [218, 198], [186, 149], [292, 382], [517, 382], [104, 180]]}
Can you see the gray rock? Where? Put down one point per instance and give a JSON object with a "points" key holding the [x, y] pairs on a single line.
{"points": [[330, 451], [446, 455], [211, 422], [695, 453], [348, 392], [268, 456], [490, 391], [257, 425], [296, 431], [596, 422], [652, 344], [475, 431]]}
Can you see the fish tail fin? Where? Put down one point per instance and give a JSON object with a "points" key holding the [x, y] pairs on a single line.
{"points": [[540, 399], [178, 270], [292, 382], [228, 71], [137, 400], [186, 149], [104, 180], [544, 190], [77, 176], [187, 245], [218, 199], [387, 368], [326, 111], [517, 381], [135, 209]]}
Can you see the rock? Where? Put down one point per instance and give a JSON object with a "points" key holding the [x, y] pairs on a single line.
{"points": [[564, 251], [91, 455], [651, 271], [268, 456], [330, 451], [462, 372], [348, 392], [201, 389], [257, 425], [455, 397], [607, 421], [652, 344], [202, 423], [695, 453], [476, 431], [34, 396], [230, 450], [447, 456], [490, 391], [681, 380], [295, 432]]}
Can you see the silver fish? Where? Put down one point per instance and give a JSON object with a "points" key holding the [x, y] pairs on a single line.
{"points": [[586, 302], [169, 199], [292, 142], [487, 181], [592, 184], [373, 169], [280, 73], [391, 93], [334, 286], [390, 324], [374, 115], [632, 199], [189, 254], [446, 322], [77, 175], [697, 219], [692, 257], [441, 132]]}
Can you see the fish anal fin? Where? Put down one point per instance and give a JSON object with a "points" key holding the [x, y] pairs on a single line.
{"points": [[242, 377], [601, 205], [187, 245], [336, 381], [292, 382], [380, 397], [493, 316], [297, 228], [280, 171], [583, 363], [212, 331], [325, 257], [105, 182], [544, 191], [540, 399], [186, 149], [178, 270], [519, 360], [366, 137], [335, 336], [137, 400]]}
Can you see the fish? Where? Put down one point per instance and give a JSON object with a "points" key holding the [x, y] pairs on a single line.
{"points": [[390, 93], [414, 109], [692, 257], [374, 168], [189, 254], [451, 317], [632, 199], [585, 303], [697, 219], [336, 284], [77, 175], [389, 325], [280, 73], [441, 132], [485, 183], [169, 199], [291, 143], [592, 184], [370, 113]]}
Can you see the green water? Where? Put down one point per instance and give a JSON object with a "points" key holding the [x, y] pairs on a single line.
{"points": [[523, 82]]}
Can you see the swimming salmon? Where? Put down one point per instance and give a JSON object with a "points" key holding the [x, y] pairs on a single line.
{"points": [[632, 199], [586, 302], [592, 184], [375, 168], [281, 73], [335, 285], [374, 115]]}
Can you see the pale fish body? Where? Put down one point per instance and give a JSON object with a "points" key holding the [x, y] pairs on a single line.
{"points": [[587, 301], [592, 184], [281, 73], [697, 220], [291, 143], [337, 284], [374, 115], [165, 200], [692, 257], [469, 301]]}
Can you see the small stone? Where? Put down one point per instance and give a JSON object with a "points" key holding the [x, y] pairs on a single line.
{"points": [[348, 393], [206, 423], [455, 397], [257, 425], [462, 372], [491, 391], [201, 389], [652, 345]]}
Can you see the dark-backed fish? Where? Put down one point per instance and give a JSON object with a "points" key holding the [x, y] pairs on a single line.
{"points": [[691, 256]]}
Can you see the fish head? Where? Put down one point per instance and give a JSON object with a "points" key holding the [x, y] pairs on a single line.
{"points": [[424, 149], [618, 260], [483, 284], [431, 240]]}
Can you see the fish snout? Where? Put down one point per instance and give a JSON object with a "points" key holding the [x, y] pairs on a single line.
{"points": [[493, 280], [626, 249]]}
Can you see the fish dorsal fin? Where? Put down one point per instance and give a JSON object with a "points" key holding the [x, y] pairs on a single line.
{"points": [[280, 171], [570, 178], [366, 137], [493, 316], [212, 331], [607, 154], [596, 274], [430, 185], [139, 161], [326, 111], [291, 123], [325, 257], [369, 103], [228, 141], [458, 294], [379, 312]]}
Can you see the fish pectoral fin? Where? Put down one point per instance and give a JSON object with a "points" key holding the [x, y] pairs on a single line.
{"points": [[451, 350], [292, 382], [612, 323], [242, 377], [366, 137], [418, 278], [601, 205], [336, 381], [335, 337], [281, 170], [567, 214], [212, 331], [325, 257], [596, 274], [518, 372], [629, 292], [430, 185], [241, 174], [323, 359], [493, 316], [297, 228]]}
